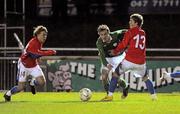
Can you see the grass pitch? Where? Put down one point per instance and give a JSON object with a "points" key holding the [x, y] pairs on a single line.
{"points": [[69, 103]]}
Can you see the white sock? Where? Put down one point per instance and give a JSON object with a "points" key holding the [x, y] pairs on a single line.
{"points": [[153, 96], [168, 74], [8, 93], [32, 82], [110, 94]]}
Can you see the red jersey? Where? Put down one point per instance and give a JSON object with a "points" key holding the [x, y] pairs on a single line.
{"points": [[134, 40], [32, 52]]}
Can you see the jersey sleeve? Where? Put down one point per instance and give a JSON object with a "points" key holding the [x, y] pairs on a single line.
{"points": [[123, 44], [34, 50], [101, 52]]}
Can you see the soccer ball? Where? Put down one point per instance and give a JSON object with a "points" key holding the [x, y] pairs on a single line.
{"points": [[85, 94]]}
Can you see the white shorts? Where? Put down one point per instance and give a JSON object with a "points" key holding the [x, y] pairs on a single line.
{"points": [[136, 69], [23, 72], [115, 61]]}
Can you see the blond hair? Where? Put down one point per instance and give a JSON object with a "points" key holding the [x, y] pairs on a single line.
{"points": [[39, 29], [103, 27]]}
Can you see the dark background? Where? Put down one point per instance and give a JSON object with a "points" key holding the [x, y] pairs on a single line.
{"points": [[79, 30]]}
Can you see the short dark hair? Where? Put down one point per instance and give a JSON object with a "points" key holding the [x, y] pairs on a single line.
{"points": [[38, 29], [137, 18]]}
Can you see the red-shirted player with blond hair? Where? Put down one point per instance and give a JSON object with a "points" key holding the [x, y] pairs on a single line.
{"points": [[28, 63]]}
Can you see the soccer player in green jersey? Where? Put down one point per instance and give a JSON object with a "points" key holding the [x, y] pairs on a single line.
{"points": [[107, 41]]}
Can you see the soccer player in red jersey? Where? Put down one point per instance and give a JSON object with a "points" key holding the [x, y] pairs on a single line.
{"points": [[134, 41], [28, 63]]}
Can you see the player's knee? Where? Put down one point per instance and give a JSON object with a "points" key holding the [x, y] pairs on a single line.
{"points": [[105, 72], [41, 81], [145, 78], [104, 77], [114, 74]]}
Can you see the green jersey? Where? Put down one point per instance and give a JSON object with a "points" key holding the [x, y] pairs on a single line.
{"points": [[103, 47]]}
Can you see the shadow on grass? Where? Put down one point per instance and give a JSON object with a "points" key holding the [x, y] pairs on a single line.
{"points": [[93, 101], [3, 102]]}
